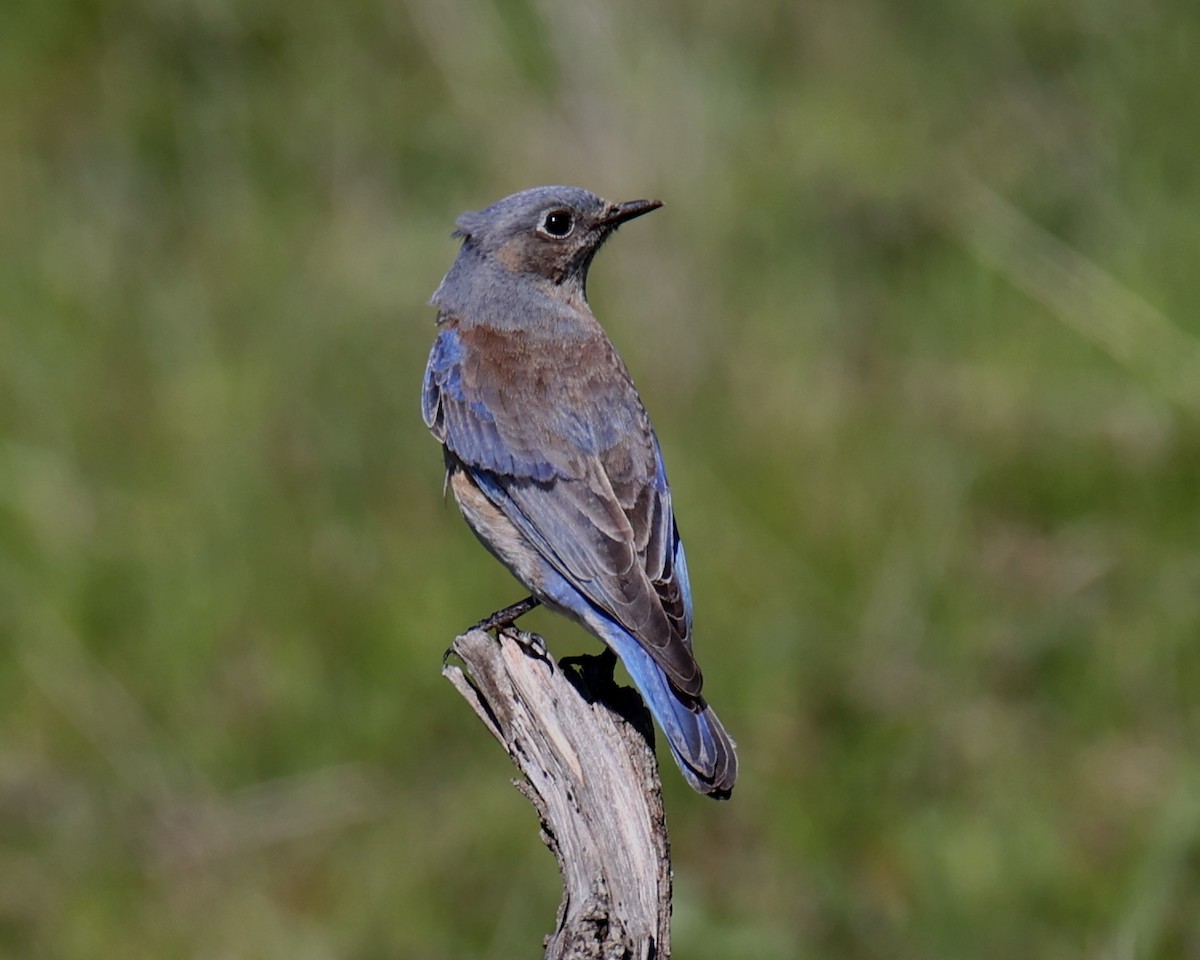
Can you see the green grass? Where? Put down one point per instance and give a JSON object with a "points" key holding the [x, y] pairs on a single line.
{"points": [[918, 328]]}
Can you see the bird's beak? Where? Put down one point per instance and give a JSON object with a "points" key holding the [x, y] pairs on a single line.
{"points": [[618, 213]]}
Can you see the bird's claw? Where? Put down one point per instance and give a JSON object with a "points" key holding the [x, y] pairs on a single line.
{"points": [[531, 643]]}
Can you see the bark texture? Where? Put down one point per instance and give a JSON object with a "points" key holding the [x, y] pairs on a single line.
{"points": [[585, 749]]}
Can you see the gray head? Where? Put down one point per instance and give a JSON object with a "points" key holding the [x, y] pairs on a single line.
{"points": [[547, 233]]}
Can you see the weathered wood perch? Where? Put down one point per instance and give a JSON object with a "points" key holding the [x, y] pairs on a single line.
{"points": [[585, 748]]}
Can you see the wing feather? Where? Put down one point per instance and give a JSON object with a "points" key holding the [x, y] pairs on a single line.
{"points": [[584, 482]]}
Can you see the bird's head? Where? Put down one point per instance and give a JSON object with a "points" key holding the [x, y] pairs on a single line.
{"points": [[547, 233]]}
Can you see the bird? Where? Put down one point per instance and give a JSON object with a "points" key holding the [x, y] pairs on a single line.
{"points": [[552, 459]]}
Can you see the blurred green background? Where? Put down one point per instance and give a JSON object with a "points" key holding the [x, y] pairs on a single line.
{"points": [[918, 328]]}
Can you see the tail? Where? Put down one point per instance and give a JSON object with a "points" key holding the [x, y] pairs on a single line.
{"points": [[705, 753]]}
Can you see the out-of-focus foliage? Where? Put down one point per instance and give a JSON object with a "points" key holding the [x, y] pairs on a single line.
{"points": [[918, 327]]}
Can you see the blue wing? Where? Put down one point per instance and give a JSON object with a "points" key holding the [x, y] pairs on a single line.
{"points": [[468, 427]]}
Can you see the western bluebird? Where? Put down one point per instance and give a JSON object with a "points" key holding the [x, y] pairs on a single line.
{"points": [[552, 458]]}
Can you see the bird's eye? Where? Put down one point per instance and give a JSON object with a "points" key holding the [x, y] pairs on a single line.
{"points": [[558, 223]]}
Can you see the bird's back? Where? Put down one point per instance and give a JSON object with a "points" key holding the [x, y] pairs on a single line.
{"points": [[550, 411]]}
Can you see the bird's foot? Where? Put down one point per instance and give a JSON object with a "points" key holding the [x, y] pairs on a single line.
{"points": [[502, 622], [531, 643]]}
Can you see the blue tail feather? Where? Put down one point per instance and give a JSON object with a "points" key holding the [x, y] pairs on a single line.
{"points": [[702, 749]]}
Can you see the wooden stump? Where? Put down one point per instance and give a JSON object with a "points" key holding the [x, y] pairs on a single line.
{"points": [[585, 749]]}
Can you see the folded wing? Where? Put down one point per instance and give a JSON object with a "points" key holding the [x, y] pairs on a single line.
{"points": [[579, 474]]}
